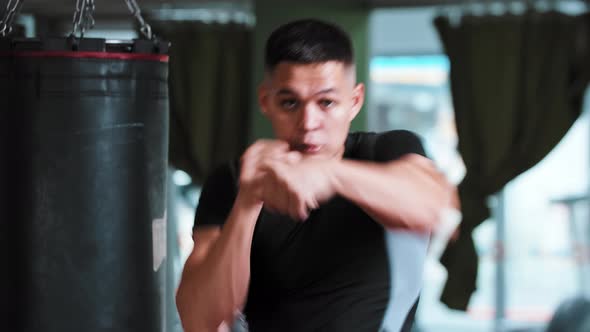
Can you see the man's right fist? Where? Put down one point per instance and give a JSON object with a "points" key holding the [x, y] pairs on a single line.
{"points": [[253, 160]]}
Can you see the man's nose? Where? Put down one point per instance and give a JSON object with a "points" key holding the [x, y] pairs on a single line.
{"points": [[311, 118]]}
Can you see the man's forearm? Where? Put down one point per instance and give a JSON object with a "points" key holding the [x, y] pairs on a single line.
{"points": [[380, 190], [212, 289]]}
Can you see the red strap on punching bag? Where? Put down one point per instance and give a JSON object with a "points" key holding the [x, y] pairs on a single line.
{"points": [[90, 55]]}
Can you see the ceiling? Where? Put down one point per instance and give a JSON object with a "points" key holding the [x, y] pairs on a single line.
{"points": [[65, 8], [52, 8]]}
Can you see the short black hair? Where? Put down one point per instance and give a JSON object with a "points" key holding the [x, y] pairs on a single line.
{"points": [[308, 41]]}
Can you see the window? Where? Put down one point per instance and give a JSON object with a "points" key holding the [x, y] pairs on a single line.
{"points": [[547, 231]]}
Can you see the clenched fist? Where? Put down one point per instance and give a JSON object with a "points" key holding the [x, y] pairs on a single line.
{"points": [[252, 164], [284, 180], [295, 186]]}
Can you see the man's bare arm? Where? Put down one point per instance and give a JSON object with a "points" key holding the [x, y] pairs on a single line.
{"points": [[216, 275], [406, 193]]}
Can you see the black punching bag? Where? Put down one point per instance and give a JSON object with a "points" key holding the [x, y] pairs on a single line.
{"points": [[11, 214], [89, 144]]}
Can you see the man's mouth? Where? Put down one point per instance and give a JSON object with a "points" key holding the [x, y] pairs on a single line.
{"points": [[308, 148]]}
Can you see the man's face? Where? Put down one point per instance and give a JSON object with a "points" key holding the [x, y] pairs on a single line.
{"points": [[311, 106]]}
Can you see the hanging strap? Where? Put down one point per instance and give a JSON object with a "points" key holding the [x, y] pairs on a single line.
{"points": [[84, 20], [12, 10], [144, 28], [83, 17]]}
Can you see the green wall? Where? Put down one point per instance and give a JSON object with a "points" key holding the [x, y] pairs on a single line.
{"points": [[271, 13]]}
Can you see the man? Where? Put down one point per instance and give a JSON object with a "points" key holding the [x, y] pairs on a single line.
{"points": [[318, 230]]}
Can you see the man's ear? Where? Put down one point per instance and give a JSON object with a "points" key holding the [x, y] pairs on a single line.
{"points": [[358, 99], [263, 97]]}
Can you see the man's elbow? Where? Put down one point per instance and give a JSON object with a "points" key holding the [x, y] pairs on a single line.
{"points": [[199, 313], [420, 221]]}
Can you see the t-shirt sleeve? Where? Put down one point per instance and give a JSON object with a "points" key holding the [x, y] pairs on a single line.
{"points": [[217, 198], [394, 144]]}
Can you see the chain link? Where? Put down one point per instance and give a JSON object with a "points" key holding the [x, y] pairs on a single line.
{"points": [[12, 9], [83, 17], [145, 28], [88, 18], [77, 20]]}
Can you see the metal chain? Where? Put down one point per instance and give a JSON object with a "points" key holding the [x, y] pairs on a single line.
{"points": [[11, 12], [145, 28], [83, 19], [88, 18], [77, 20]]}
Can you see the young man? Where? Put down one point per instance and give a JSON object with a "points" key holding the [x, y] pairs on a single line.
{"points": [[318, 230]]}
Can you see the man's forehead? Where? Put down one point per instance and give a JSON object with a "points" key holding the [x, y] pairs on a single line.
{"points": [[290, 78], [321, 70]]}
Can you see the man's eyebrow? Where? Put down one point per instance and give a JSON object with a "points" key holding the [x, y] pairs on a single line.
{"points": [[285, 91]]}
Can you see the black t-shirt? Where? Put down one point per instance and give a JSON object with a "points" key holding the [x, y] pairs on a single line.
{"points": [[332, 272]]}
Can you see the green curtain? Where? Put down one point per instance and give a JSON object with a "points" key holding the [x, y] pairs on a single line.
{"points": [[210, 79], [517, 83]]}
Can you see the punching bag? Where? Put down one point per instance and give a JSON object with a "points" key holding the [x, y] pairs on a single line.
{"points": [[10, 212], [87, 146]]}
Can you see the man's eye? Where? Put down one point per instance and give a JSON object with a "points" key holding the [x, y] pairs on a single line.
{"points": [[327, 103], [288, 104]]}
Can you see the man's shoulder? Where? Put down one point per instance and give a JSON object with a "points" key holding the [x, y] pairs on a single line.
{"points": [[222, 181], [383, 145], [224, 172], [217, 196], [396, 134]]}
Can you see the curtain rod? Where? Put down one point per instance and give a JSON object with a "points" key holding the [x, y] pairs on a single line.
{"points": [[437, 3], [211, 14]]}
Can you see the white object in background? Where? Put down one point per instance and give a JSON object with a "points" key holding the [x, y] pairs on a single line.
{"points": [[159, 241], [450, 219]]}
